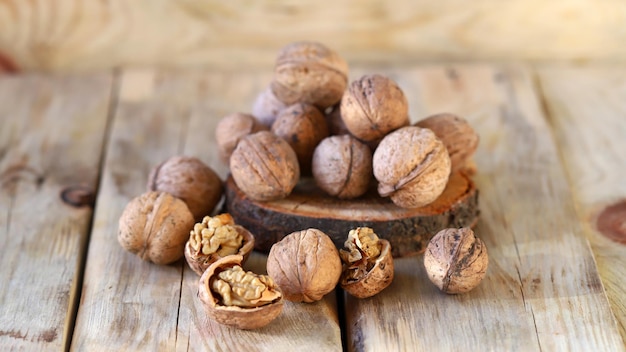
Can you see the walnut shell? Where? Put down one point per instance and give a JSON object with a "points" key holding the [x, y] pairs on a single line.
{"points": [[376, 279], [266, 107], [302, 126], [155, 226], [264, 166], [189, 179], [342, 166], [412, 167], [231, 129], [456, 261], [305, 264], [373, 106], [456, 134], [309, 72], [235, 316]]}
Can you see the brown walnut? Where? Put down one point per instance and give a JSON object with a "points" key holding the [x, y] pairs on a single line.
{"points": [[373, 106], [264, 166], [456, 261], [309, 72], [456, 134], [231, 129], [342, 166], [155, 227], [412, 167], [305, 265], [189, 179], [266, 107], [302, 126]]}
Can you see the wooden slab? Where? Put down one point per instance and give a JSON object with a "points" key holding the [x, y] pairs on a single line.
{"points": [[51, 134], [408, 230], [542, 290], [587, 108]]}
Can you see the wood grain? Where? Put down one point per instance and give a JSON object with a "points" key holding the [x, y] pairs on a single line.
{"points": [[542, 286], [52, 130], [587, 109], [74, 35]]}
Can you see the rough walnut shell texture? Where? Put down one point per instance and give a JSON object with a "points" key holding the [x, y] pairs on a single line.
{"points": [[375, 280], [342, 166], [266, 107], [238, 317], [456, 134], [303, 126], [264, 166], [189, 179], [412, 167], [231, 129], [305, 265], [309, 72], [373, 106], [155, 227], [456, 261]]}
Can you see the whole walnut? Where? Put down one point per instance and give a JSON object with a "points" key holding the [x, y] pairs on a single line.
{"points": [[302, 126], [412, 167], [342, 166], [373, 106], [456, 260], [264, 166], [456, 134], [266, 107], [155, 226], [231, 129], [309, 72], [305, 265], [189, 179]]}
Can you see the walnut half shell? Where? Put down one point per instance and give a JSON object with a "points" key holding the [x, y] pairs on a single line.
{"points": [[236, 298]]}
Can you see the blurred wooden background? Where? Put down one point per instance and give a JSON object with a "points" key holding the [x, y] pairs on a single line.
{"points": [[75, 35]]}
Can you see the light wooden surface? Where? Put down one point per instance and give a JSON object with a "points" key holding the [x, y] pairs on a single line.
{"points": [[73, 35], [543, 290]]}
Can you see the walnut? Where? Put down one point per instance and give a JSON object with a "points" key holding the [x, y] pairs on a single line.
{"points": [[342, 166], [264, 166], [456, 134], [412, 167], [234, 297], [336, 126], [214, 238], [189, 179], [231, 129], [456, 260], [266, 107], [368, 264], [305, 264], [154, 226], [309, 72], [373, 106], [302, 126]]}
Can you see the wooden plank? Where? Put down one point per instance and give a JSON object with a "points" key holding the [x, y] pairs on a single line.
{"points": [[128, 304], [587, 108], [51, 134], [542, 290], [73, 35]]}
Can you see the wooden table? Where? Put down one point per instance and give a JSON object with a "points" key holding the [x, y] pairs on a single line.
{"points": [[75, 149]]}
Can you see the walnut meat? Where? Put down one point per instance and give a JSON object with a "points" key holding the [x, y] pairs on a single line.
{"points": [[302, 126], [368, 264], [155, 227], [266, 107], [342, 166], [456, 134], [264, 166], [189, 179], [373, 106], [309, 72], [214, 238], [412, 167], [305, 264], [231, 129], [234, 297], [456, 260]]}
